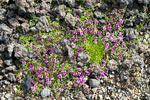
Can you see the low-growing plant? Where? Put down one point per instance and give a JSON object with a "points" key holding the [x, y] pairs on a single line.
{"points": [[95, 50]]}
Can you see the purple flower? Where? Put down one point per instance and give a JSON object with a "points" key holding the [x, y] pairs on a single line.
{"points": [[99, 33], [81, 33], [120, 39], [23, 62], [120, 21], [112, 39], [104, 28], [96, 22], [107, 34], [59, 76], [120, 33], [126, 48], [73, 45], [117, 27], [117, 46], [40, 76], [123, 43], [109, 28], [33, 88], [79, 69], [64, 72], [102, 74], [48, 82], [105, 39], [113, 48], [107, 45], [79, 73], [84, 85]]}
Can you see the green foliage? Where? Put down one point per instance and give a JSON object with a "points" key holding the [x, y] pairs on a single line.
{"points": [[68, 10], [33, 21], [96, 51], [88, 13]]}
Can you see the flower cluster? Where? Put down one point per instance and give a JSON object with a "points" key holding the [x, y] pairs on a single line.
{"points": [[49, 68]]}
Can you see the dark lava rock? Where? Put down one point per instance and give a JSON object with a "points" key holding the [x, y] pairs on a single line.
{"points": [[20, 52], [27, 84], [64, 48], [25, 8], [8, 62], [83, 58], [132, 33], [5, 33], [70, 20], [43, 24]]}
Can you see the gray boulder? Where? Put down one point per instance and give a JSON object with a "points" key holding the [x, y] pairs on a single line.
{"points": [[20, 52], [99, 14], [27, 84], [112, 64], [13, 22], [60, 10], [11, 77], [83, 58], [25, 27], [94, 83], [43, 24], [71, 3], [132, 33], [2, 14], [11, 68], [89, 3], [143, 1], [46, 92], [64, 48], [25, 7], [70, 20], [138, 61], [8, 62], [5, 33]]}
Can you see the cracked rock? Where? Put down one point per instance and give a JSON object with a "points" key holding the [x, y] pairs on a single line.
{"points": [[5, 33], [27, 84], [25, 7], [94, 83], [132, 33], [20, 52], [70, 20], [43, 24]]}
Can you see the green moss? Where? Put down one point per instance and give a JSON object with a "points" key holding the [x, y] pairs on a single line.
{"points": [[96, 51]]}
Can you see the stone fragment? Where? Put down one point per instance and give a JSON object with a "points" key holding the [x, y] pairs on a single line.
{"points": [[46, 92], [8, 62], [94, 83], [43, 24], [27, 84], [132, 33], [89, 3], [61, 11], [25, 27], [99, 14], [11, 68], [5, 33], [25, 8], [112, 64], [13, 22], [11, 77], [20, 52], [71, 3], [83, 58], [70, 20]]}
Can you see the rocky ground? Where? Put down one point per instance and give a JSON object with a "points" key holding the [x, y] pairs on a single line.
{"points": [[128, 79]]}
